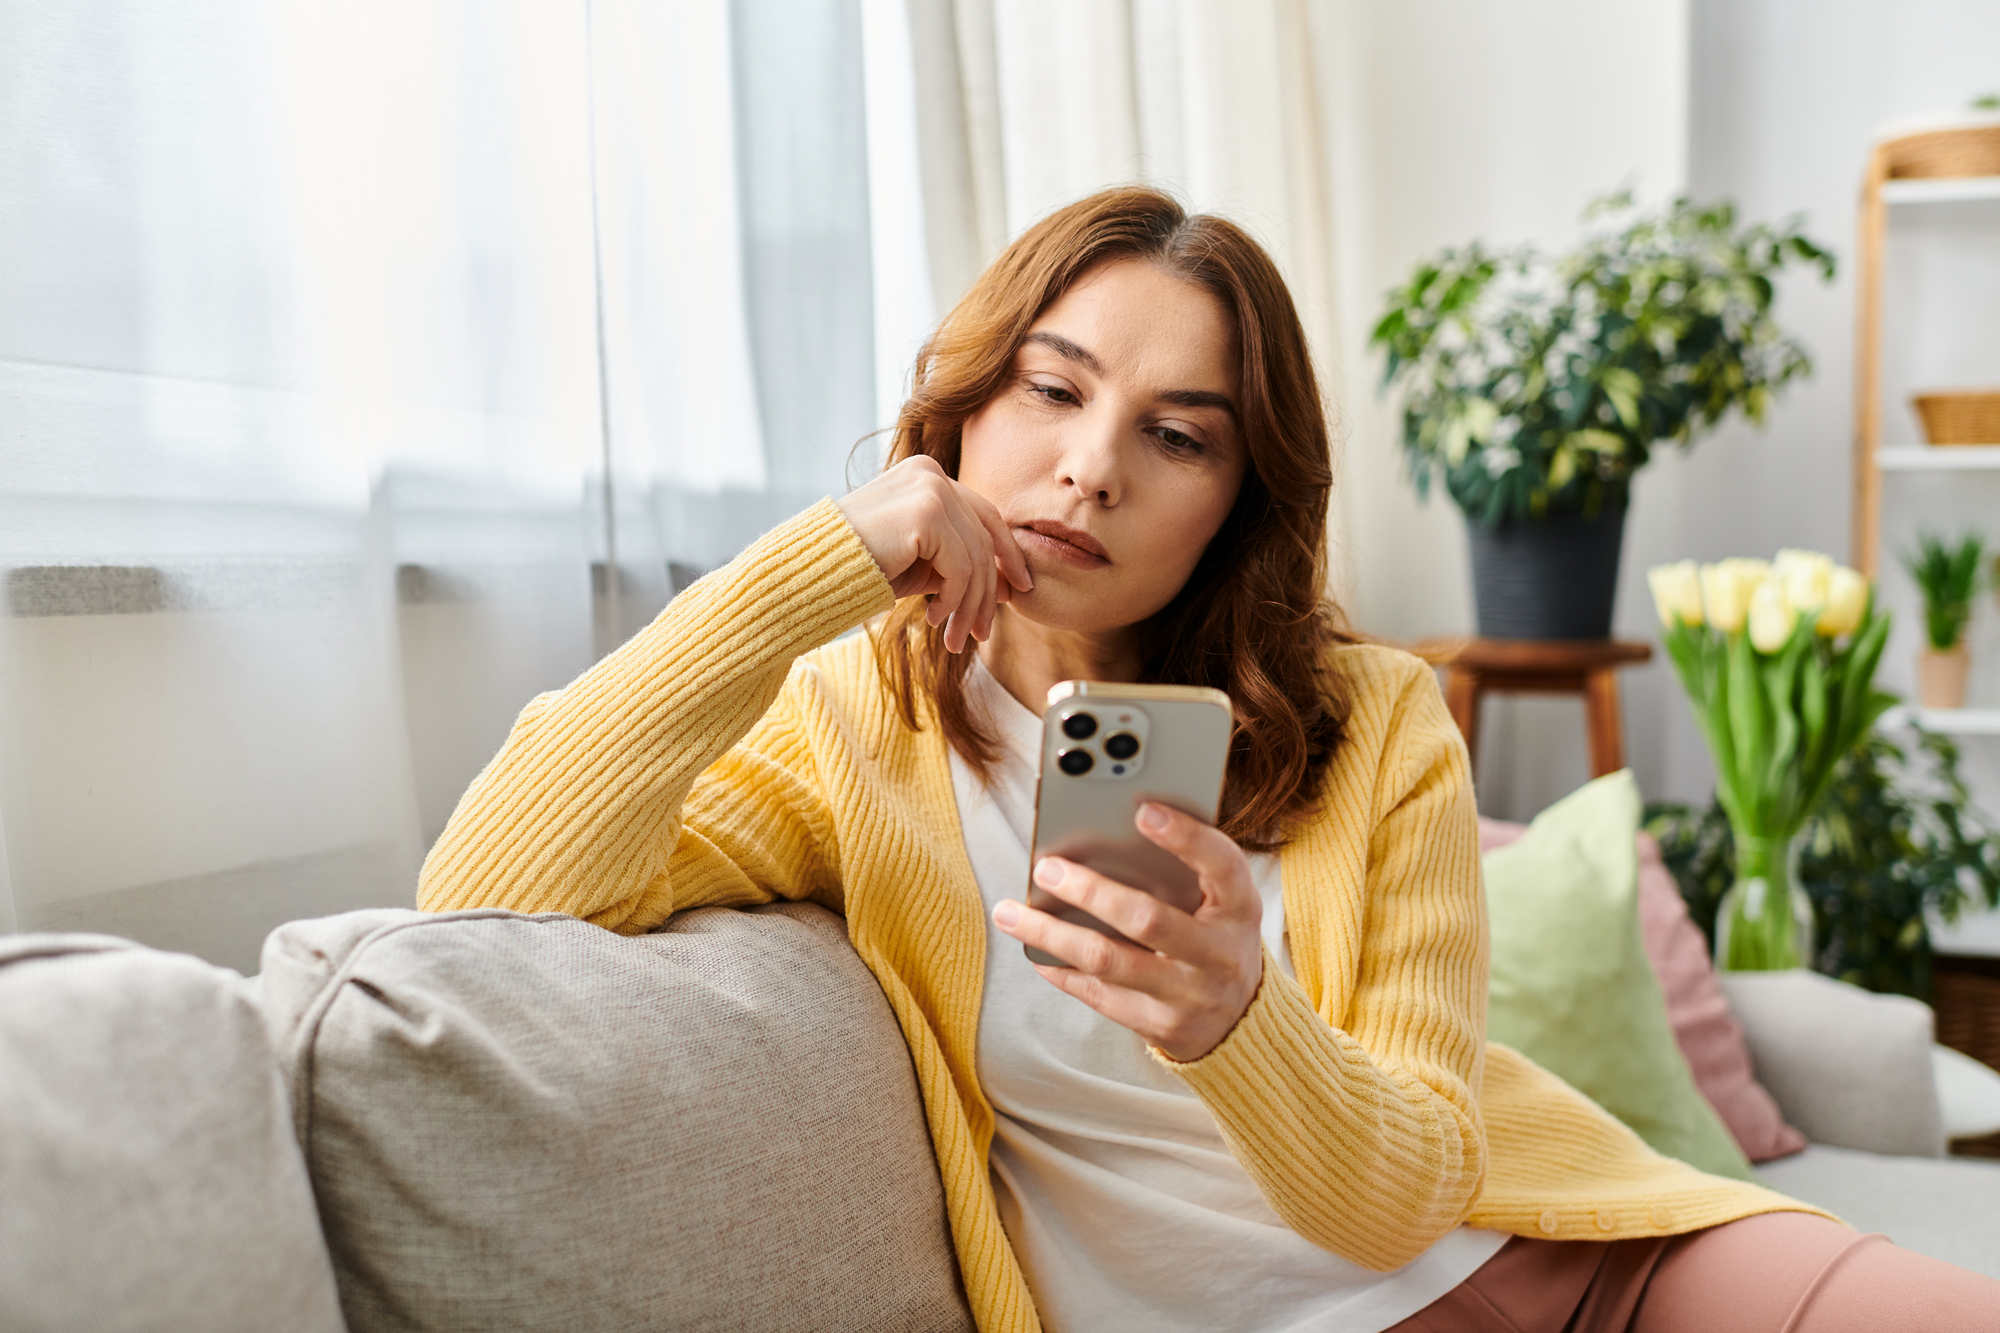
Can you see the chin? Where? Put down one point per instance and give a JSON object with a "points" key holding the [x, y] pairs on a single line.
{"points": [[1053, 606]]}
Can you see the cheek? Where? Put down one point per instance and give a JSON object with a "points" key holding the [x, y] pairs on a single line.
{"points": [[994, 452], [1189, 520]]}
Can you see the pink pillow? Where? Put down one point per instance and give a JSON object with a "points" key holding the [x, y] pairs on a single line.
{"points": [[1705, 1030]]}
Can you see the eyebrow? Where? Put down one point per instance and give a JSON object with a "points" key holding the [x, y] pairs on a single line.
{"points": [[1201, 398], [1070, 351], [1067, 350]]}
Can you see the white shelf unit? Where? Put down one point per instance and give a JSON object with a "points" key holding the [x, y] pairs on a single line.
{"points": [[1956, 166], [1948, 190], [1950, 721], [1940, 458]]}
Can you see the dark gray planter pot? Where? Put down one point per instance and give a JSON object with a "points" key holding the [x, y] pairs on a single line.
{"points": [[1553, 579]]}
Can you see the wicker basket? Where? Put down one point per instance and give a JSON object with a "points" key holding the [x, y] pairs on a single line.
{"points": [[1971, 150], [1966, 996], [1963, 417]]}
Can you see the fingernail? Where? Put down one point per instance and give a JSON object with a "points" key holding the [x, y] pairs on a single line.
{"points": [[1152, 818], [1048, 872], [1006, 913]]}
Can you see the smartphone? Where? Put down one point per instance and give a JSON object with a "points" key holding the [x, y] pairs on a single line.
{"points": [[1106, 749]]}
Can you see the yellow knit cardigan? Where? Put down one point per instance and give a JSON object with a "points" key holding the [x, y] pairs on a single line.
{"points": [[708, 762]]}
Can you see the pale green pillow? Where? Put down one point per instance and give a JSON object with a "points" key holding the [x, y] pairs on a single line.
{"points": [[1572, 988]]}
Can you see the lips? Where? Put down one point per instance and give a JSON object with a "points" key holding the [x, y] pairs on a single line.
{"points": [[1071, 545]]}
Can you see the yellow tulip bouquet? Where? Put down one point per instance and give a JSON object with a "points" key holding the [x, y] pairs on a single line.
{"points": [[1779, 661]]}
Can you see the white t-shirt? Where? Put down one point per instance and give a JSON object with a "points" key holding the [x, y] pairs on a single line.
{"points": [[1120, 1196]]}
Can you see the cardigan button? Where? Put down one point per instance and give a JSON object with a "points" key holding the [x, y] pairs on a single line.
{"points": [[1659, 1216], [1605, 1220], [1548, 1221]]}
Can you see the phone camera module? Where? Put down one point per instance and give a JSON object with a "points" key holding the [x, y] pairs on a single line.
{"points": [[1074, 762], [1080, 726], [1122, 746]]}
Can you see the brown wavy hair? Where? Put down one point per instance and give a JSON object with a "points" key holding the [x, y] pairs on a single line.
{"points": [[1253, 619]]}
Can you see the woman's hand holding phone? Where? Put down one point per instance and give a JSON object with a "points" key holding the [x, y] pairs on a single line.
{"points": [[932, 536], [1196, 975]]}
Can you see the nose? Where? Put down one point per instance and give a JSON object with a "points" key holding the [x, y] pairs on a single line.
{"points": [[1091, 462]]}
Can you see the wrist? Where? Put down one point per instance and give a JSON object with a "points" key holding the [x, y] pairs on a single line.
{"points": [[1201, 1046]]}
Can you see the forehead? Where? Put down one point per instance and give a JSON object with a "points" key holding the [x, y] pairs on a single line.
{"points": [[1149, 326]]}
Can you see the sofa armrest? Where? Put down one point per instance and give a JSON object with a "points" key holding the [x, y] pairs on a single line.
{"points": [[148, 1173], [1849, 1067]]}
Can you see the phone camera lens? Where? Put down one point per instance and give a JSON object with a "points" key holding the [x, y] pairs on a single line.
{"points": [[1080, 726], [1122, 746], [1074, 762]]}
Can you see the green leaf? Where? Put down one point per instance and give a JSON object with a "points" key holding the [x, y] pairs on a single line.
{"points": [[1813, 683], [1623, 387], [1747, 723]]}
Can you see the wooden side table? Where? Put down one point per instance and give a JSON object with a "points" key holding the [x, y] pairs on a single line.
{"points": [[1475, 668]]}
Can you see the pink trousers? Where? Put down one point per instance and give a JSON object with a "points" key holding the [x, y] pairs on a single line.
{"points": [[1773, 1273]]}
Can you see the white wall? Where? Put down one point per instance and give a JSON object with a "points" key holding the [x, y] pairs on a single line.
{"points": [[1452, 120], [1456, 119], [1788, 94]]}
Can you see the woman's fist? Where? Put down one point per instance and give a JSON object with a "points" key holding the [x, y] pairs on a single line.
{"points": [[931, 536]]}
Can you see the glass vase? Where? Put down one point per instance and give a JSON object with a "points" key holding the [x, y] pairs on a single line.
{"points": [[1765, 922]]}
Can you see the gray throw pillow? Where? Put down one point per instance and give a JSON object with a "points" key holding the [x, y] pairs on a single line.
{"points": [[149, 1178], [528, 1122], [1850, 1068]]}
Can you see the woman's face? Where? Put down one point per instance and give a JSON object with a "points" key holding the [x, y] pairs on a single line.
{"points": [[1113, 450]]}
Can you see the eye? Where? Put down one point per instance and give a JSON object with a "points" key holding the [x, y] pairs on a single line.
{"points": [[1054, 393], [1178, 441]]}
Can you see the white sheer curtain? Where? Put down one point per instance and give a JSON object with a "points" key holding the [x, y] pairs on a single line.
{"points": [[367, 366], [320, 452]]}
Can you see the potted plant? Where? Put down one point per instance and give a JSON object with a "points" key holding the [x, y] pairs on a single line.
{"points": [[1536, 388], [1948, 578], [1779, 662]]}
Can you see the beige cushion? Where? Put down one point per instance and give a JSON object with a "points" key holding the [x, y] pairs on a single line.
{"points": [[1850, 1068], [1943, 1208], [527, 1122], [148, 1174]]}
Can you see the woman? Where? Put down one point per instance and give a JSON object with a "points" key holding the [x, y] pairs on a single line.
{"points": [[1280, 1113]]}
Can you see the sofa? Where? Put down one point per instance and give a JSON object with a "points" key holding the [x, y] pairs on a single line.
{"points": [[487, 1120]]}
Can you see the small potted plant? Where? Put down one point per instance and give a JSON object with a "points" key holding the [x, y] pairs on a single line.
{"points": [[1948, 578], [1779, 661], [1536, 389]]}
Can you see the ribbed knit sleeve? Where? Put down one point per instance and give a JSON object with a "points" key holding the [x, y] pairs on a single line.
{"points": [[581, 811], [1349, 1095]]}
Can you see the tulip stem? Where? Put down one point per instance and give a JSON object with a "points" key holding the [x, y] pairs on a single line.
{"points": [[1760, 932]]}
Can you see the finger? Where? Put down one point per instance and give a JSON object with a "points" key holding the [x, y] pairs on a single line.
{"points": [[1133, 913], [1083, 949], [1013, 563], [974, 612], [919, 580], [953, 564], [991, 580], [1128, 1008], [1214, 857]]}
